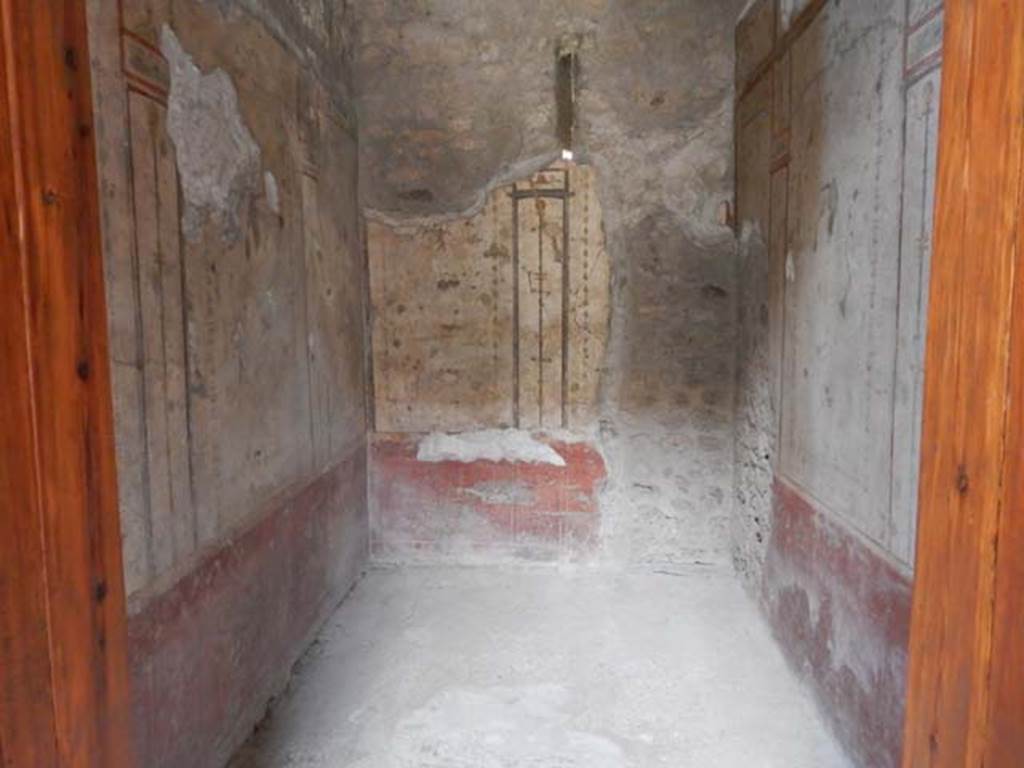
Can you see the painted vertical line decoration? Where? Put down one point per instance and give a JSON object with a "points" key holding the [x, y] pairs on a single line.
{"points": [[495, 226], [586, 276], [540, 308], [160, 257], [515, 307], [565, 302], [139, 345]]}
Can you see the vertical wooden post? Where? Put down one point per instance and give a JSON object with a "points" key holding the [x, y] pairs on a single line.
{"points": [[966, 684], [63, 673]]}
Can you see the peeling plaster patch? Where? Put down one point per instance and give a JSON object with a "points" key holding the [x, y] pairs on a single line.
{"points": [[511, 445], [218, 158], [271, 192]]}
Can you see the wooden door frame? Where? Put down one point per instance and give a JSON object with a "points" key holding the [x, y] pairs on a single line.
{"points": [[63, 670], [966, 681]]}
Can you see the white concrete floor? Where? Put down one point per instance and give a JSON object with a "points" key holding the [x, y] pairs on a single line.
{"points": [[475, 668]]}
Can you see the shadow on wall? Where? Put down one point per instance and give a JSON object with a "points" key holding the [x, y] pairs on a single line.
{"points": [[668, 409]]}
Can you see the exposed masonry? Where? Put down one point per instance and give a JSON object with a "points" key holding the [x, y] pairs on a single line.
{"points": [[756, 416]]}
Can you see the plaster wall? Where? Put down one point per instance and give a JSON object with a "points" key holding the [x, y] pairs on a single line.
{"points": [[234, 267], [236, 282], [836, 137], [836, 143]]}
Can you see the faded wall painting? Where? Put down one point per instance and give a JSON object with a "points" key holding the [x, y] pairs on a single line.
{"points": [[495, 320], [234, 274]]}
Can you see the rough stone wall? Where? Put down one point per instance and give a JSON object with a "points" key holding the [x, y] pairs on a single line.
{"points": [[756, 416], [457, 97], [761, 128], [836, 137], [234, 264]]}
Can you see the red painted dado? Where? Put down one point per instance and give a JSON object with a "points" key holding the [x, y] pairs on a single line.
{"points": [[209, 652], [841, 612], [483, 510]]}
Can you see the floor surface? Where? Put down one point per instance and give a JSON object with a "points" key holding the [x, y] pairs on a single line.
{"points": [[476, 668]]}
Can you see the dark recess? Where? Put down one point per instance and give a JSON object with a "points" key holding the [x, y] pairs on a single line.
{"points": [[565, 97]]}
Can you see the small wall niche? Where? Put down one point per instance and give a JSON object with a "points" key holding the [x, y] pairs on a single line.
{"points": [[566, 71]]}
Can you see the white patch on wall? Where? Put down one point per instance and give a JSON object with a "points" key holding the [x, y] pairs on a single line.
{"points": [[789, 10], [510, 445], [218, 158], [271, 192]]}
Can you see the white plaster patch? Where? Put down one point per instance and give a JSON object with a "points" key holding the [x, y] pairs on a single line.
{"points": [[218, 158], [511, 445], [271, 192]]}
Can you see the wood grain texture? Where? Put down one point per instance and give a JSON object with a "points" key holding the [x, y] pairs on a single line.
{"points": [[1005, 744], [964, 706], [62, 635]]}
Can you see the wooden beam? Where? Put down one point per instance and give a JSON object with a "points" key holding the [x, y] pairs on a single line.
{"points": [[966, 678], [63, 696]]}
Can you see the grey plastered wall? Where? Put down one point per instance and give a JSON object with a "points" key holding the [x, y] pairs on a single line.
{"points": [[228, 164], [834, 296], [458, 97]]}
